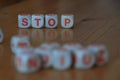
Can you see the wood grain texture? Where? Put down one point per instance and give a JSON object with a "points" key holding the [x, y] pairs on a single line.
{"points": [[96, 21]]}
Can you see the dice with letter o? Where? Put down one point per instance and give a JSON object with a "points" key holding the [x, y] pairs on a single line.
{"points": [[46, 56], [62, 59], [19, 41], [51, 20], [100, 52], [37, 21], [83, 59], [24, 21], [67, 21], [27, 63], [1, 36]]}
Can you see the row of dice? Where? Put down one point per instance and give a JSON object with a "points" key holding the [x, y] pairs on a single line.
{"points": [[51, 21], [29, 59], [1, 36]]}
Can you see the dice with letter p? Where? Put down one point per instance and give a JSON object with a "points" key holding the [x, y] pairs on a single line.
{"points": [[67, 21]]}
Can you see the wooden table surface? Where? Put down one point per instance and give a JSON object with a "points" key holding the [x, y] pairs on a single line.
{"points": [[96, 21]]}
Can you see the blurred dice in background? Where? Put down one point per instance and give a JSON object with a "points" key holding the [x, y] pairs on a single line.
{"points": [[19, 41], [51, 45], [62, 59], [83, 59], [72, 46], [30, 59], [1, 36], [101, 53], [27, 63], [46, 56]]}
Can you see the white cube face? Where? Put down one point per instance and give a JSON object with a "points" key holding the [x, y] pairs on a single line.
{"points": [[1, 36], [27, 63], [101, 53], [51, 45], [72, 46], [19, 51], [46, 55], [62, 59], [51, 21], [67, 21], [19, 42], [37, 21], [24, 21], [83, 59]]}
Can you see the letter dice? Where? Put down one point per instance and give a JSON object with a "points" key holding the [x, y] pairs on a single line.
{"points": [[24, 21], [46, 56], [1, 36], [19, 42], [101, 53], [51, 45], [62, 59], [37, 21], [72, 46], [67, 21], [83, 59], [51, 20], [27, 63]]}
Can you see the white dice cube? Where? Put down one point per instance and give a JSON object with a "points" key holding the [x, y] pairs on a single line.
{"points": [[24, 21], [46, 55], [67, 21], [51, 20], [83, 59], [72, 46], [37, 21], [101, 53], [27, 63], [1, 36], [51, 45], [19, 42], [62, 59]]}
